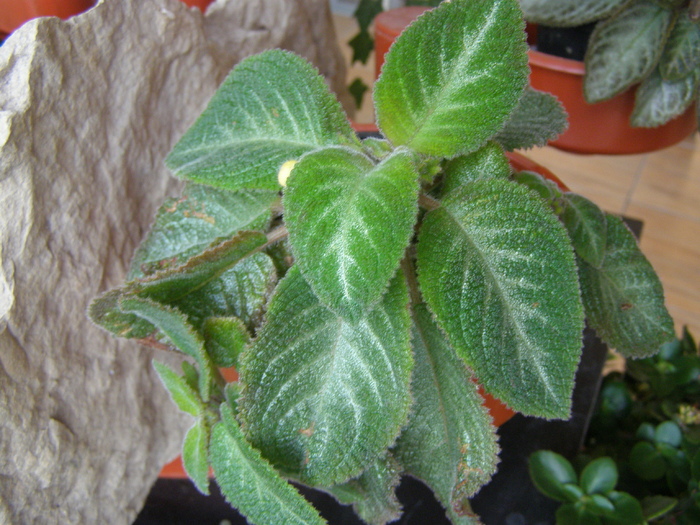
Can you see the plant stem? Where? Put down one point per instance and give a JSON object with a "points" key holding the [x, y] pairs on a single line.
{"points": [[428, 203]]}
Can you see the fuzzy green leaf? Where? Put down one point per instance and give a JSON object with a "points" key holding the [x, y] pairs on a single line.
{"points": [[195, 455], [496, 267], [372, 494], [625, 49], [587, 227], [452, 78], [349, 224], [568, 13], [538, 118], [623, 298], [104, 311], [185, 397], [657, 100], [323, 398], [225, 338], [174, 325], [681, 55], [273, 107], [184, 227], [250, 484], [173, 284], [485, 163], [449, 441]]}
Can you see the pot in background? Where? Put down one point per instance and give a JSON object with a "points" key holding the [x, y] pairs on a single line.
{"points": [[14, 13]]}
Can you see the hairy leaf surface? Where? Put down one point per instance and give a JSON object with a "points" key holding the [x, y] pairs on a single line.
{"points": [[496, 267], [449, 441], [195, 455], [657, 100], [538, 118], [485, 163], [452, 78], [625, 49], [349, 224], [681, 55], [586, 225], [624, 298], [324, 398], [273, 107], [372, 494], [251, 484], [568, 13], [225, 338], [185, 397], [184, 227]]}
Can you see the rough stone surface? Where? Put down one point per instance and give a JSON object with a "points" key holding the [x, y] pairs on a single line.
{"points": [[89, 108]]}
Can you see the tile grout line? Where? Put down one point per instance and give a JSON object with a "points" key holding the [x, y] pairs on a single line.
{"points": [[635, 184]]}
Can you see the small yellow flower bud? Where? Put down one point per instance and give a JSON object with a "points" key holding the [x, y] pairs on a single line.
{"points": [[285, 171]]}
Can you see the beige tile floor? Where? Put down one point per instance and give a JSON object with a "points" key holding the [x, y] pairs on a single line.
{"points": [[662, 189]]}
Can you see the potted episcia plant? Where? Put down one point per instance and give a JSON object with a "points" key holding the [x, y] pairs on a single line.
{"points": [[361, 307], [641, 69]]}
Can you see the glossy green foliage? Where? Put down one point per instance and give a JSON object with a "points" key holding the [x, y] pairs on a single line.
{"points": [[251, 484], [625, 49], [449, 442], [430, 93], [623, 298], [323, 397], [349, 223], [497, 268], [568, 13], [272, 107]]}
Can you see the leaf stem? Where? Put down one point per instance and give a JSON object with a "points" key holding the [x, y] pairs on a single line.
{"points": [[428, 203]]}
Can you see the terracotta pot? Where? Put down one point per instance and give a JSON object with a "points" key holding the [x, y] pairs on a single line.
{"points": [[603, 127], [14, 13], [202, 4]]}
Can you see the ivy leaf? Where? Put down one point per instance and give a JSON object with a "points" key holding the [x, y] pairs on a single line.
{"points": [[362, 45], [624, 298], [195, 455], [681, 56], [568, 13], [251, 484], [273, 107], [538, 118], [185, 397], [485, 163], [357, 89], [496, 267], [173, 324], [323, 399], [349, 223], [186, 226], [372, 494], [586, 225], [449, 441], [657, 100], [366, 12], [625, 49], [452, 78]]}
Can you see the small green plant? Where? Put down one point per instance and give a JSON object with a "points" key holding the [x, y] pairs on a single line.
{"points": [[654, 43], [360, 306], [647, 430]]}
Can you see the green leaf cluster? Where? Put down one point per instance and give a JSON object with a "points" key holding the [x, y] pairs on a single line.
{"points": [[653, 43], [361, 290]]}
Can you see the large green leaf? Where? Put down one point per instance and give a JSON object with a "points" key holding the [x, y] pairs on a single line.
{"points": [[681, 55], [452, 78], [624, 298], [657, 100], [449, 441], [250, 484], [538, 118], [585, 222], [273, 107], [625, 49], [349, 224], [568, 13], [372, 494], [496, 267], [324, 398], [485, 163], [185, 226]]}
